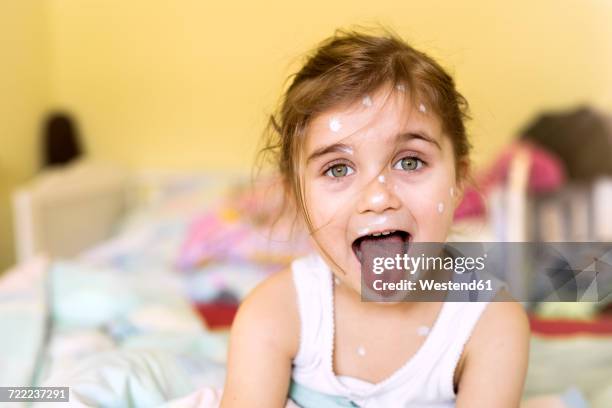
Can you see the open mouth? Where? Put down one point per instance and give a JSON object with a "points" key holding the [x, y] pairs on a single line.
{"points": [[381, 244]]}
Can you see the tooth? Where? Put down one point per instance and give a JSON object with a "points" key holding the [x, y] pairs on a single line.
{"points": [[386, 233], [376, 234]]}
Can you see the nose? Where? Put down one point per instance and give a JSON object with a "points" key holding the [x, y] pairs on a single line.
{"points": [[377, 197]]}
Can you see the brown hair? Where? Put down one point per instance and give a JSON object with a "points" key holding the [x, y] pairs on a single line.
{"points": [[348, 66]]}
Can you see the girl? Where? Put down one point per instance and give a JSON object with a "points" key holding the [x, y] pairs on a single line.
{"points": [[373, 152]]}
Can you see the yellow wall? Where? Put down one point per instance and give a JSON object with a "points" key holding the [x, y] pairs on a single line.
{"points": [[188, 83], [23, 97]]}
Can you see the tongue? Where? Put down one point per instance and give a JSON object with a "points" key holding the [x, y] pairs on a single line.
{"points": [[385, 246]]}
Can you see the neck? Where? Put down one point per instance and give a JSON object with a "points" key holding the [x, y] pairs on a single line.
{"points": [[346, 294]]}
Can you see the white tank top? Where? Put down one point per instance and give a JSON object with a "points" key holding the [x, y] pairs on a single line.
{"points": [[425, 380]]}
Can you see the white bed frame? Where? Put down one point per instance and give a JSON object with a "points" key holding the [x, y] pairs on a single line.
{"points": [[64, 211]]}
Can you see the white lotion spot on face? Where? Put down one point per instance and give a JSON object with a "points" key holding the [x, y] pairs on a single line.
{"points": [[400, 87], [336, 280], [440, 207], [377, 198], [367, 101], [347, 149], [363, 231], [422, 108], [380, 220], [452, 192], [381, 179], [361, 351], [334, 124], [423, 330]]}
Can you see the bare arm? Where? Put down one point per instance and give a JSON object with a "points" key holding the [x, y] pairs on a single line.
{"points": [[264, 339], [496, 360]]}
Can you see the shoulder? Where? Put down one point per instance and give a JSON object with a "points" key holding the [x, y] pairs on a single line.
{"points": [[269, 314], [263, 340], [502, 326], [499, 343], [501, 323]]}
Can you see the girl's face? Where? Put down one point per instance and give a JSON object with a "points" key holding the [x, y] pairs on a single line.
{"points": [[376, 166]]}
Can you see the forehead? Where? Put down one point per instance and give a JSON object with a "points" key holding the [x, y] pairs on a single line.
{"points": [[378, 118]]}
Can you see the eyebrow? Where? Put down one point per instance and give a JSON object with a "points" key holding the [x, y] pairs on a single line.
{"points": [[418, 135], [341, 147], [333, 148]]}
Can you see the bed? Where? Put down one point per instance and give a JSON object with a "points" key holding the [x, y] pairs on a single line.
{"points": [[109, 298], [115, 296]]}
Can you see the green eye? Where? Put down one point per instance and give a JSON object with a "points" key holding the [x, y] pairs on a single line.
{"points": [[410, 163], [339, 170]]}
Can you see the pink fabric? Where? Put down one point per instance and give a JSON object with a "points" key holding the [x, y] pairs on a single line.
{"points": [[224, 235], [472, 205], [546, 174], [247, 225]]}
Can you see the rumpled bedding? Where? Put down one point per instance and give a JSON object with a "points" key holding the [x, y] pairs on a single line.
{"points": [[583, 363], [117, 325], [221, 233], [23, 322], [115, 340]]}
